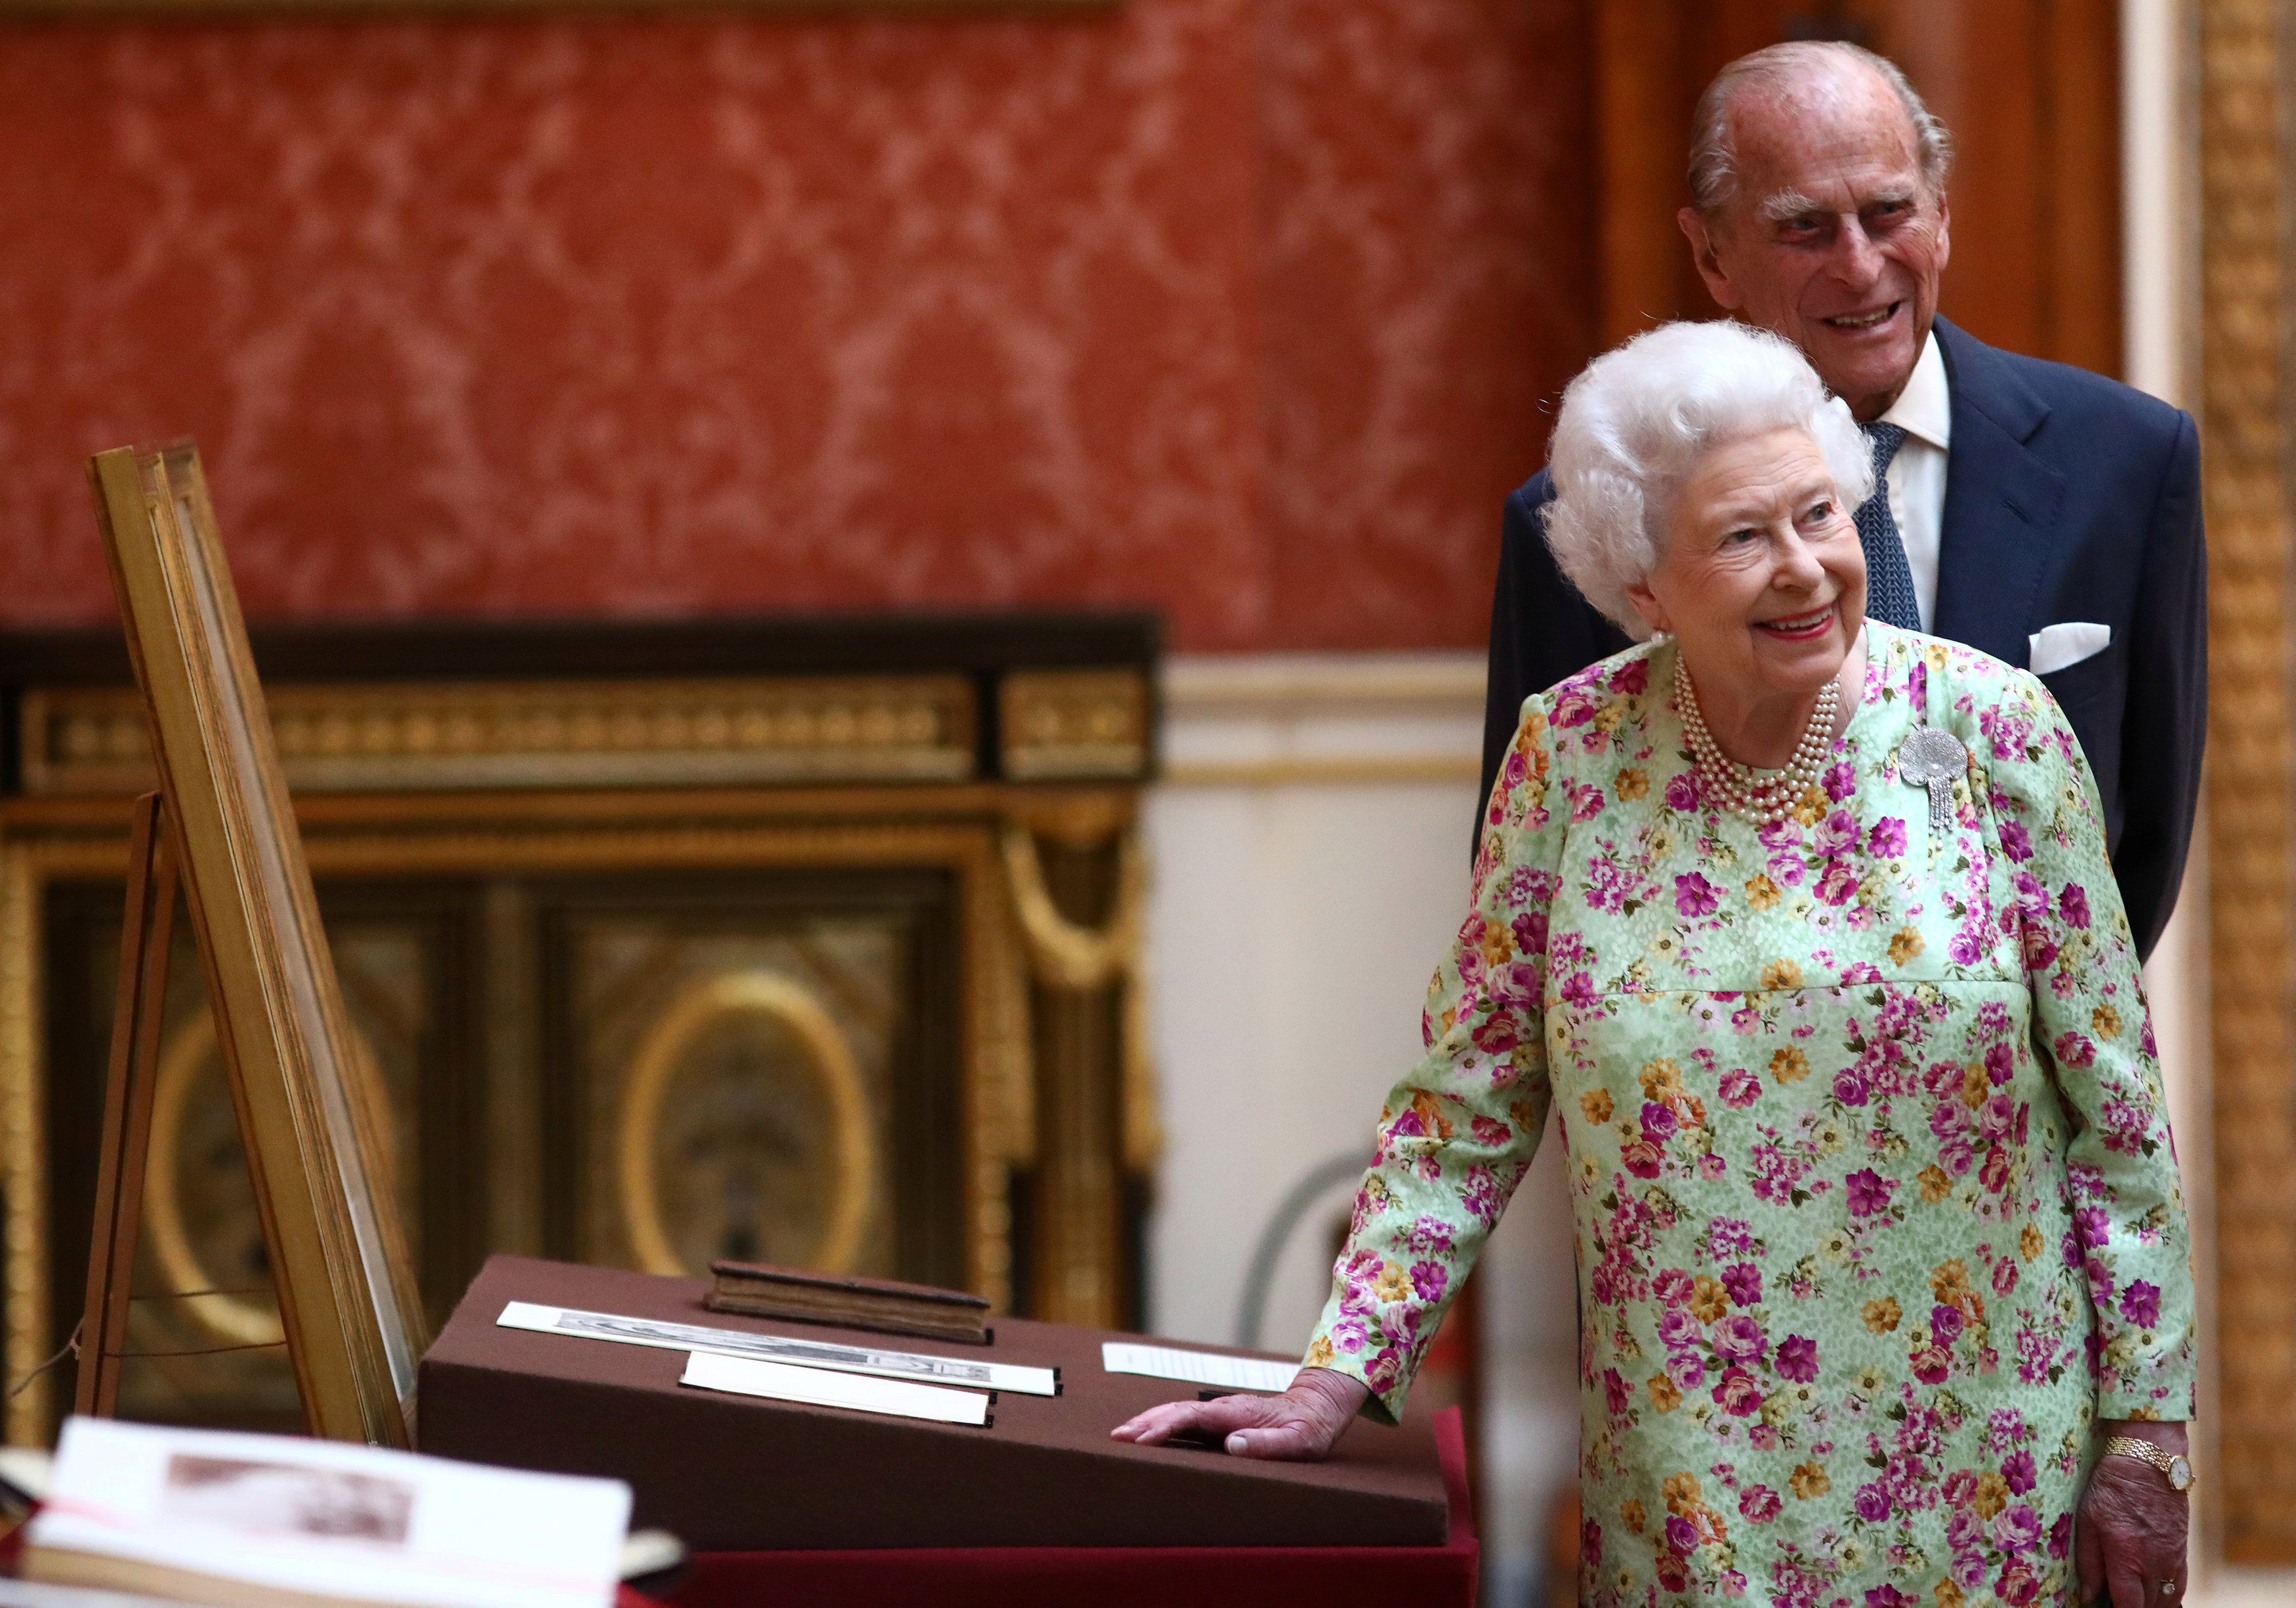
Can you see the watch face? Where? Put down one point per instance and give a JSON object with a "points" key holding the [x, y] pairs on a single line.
{"points": [[2180, 1473]]}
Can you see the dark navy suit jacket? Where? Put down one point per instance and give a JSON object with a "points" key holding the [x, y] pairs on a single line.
{"points": [[2067, 497]]}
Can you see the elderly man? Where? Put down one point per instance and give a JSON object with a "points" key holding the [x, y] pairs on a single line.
{"points": [[2044, 515]]}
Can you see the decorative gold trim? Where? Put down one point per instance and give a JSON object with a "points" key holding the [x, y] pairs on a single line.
{"points": [[829, 1057], [433, 736], [2243, 333], [23, 1122], [234, 1318], [351, 835], [1337, 770], [1064, 725]]}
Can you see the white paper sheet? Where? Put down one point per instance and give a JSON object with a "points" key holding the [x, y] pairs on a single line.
{"points": [[825, 1387], [915, 1366], [317, 1519], [1197, 1367]]}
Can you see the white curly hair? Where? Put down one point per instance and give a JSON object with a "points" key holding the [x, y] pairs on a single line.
{"points": [[1637, 420]]}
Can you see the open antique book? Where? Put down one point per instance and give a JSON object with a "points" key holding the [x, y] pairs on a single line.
{"points": [[270, 1521]]}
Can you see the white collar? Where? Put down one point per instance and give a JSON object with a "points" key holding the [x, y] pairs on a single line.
{"points": [[1924, 408]]}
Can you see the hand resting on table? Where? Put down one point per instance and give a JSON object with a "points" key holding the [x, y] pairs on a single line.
{"points": [[1299, 1425]]}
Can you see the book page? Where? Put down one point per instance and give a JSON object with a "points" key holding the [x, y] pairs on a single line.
{"points": [[354, 1524], [823, 1387], [1197, 1367], [915, 1366]]}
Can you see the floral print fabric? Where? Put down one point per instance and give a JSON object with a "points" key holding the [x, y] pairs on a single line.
{"points": [[1874, 1198]]}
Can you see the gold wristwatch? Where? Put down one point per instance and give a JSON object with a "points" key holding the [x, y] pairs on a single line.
{"points": [[2178, 1470]]}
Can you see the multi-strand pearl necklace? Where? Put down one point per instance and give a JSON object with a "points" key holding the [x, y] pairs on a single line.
{"points": [[1756, 798]]}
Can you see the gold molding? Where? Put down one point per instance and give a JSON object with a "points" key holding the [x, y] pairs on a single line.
{"points": [[430, 736], [1068, 724], [829, 1057], [1335, 770], [2251, 832]]}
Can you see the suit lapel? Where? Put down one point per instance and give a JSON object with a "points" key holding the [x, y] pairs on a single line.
{"points": [[1999, 525]]}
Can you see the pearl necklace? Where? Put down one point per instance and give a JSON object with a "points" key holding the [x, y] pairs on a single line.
{"points": [[1757, 798]]}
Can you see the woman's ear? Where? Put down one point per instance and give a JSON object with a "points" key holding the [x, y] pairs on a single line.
{"points": [[1647, 605]]}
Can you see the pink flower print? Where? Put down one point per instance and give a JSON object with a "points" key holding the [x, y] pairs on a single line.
{"points": [[1350, 1334], [1738, 1393], [1687, 1369], [1711, 1167], [2018, 1584], [1489, 1130], [1836, 882], [2004, 1277], [1499, 1034], [1850, 1088], [2093, 1226], [1738, 1338], [1841, 781], [1682, 793], [2074, 1049], [1641, 1158], [1889, 1596], [2018, 1470], [1730, 1237], [1681, 1534], [1835, 834], [1616, 1392], [1383, 1370], [1886, 841], [1740, 1088], [1760, 1503], [1632, 678], [1860, 972], [1960, 1489], [1658, 1121], [1786, 869], [1428, 1281], [2072, 905], [1578, 989], [1587, 805], [1869, 1192], [1480, 1196], [1694, 896], [1531, 933], [1744, 1281], [1674, 1288], [1871, 1503], [1931, 1364], [2140, 1304], [1969, 1569], [1590, 1544], [1798, 1358], [1678, 1328], [2060, 1535], [1574, 703], [1945, 1324], [2016, 842]]}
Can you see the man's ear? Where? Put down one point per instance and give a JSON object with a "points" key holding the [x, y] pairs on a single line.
{"points": [[1945, 234], [1705, 257], [1647, 605]]}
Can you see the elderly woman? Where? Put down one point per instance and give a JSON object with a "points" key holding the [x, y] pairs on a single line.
{"points": [[1803, 925]]}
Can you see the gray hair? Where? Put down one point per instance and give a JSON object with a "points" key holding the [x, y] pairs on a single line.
{"points": [[1713, 159], [1638, 419]]}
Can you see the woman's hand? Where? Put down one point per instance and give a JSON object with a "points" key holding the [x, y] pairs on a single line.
{"points": [[2128, 1537], [1299, 1425]]}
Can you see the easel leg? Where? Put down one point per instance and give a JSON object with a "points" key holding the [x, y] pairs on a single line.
{"points": [[146, 928]]}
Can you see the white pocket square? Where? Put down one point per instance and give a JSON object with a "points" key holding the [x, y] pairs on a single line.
{"points": [[2054, 647]]}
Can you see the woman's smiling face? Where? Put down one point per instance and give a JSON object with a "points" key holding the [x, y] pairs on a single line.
{"points": [[1763, 581]]}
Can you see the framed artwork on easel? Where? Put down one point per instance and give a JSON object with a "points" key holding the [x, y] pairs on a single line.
{"points": [[309, 1116]]}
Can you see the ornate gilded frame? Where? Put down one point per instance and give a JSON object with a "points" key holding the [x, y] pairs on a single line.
{"points": [[2243, 103], [346, 1289], [959, 830]]}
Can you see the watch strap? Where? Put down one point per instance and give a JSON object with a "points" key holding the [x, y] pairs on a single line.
{"points": [[2143, 1451]]}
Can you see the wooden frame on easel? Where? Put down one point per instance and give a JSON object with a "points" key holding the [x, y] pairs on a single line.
{"points": [[308, 1114]]}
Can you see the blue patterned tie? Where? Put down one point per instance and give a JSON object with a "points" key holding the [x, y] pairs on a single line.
{"points": [[1888, 579]]}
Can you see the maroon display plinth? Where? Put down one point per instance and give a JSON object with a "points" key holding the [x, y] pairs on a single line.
{"points": [[1107, 1577], [737, 1473]]}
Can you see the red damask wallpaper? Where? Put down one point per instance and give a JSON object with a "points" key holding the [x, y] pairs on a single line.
{"points": [[1246, 308]]}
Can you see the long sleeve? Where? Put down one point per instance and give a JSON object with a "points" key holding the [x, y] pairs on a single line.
{"points": [[2094, 1032], [1457, 1134], [1542, 629], [2166, 721]]}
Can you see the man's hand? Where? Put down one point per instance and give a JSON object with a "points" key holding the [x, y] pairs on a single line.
{"points": [[2128, 1537], [1298, 1425]]}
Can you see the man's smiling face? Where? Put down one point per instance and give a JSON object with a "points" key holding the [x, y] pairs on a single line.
{"points": [[1831, 235]]}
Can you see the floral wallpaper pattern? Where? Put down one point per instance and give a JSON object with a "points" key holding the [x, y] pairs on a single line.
{"points": [[1243, 308]]}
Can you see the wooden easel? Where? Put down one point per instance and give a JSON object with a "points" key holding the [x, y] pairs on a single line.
{"points": [[146, 927]]}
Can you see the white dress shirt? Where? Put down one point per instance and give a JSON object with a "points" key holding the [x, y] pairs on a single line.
{"points": [[1924, 411]]}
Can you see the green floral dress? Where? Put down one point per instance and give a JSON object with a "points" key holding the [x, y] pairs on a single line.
{"points": [[1875, 1202]]}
